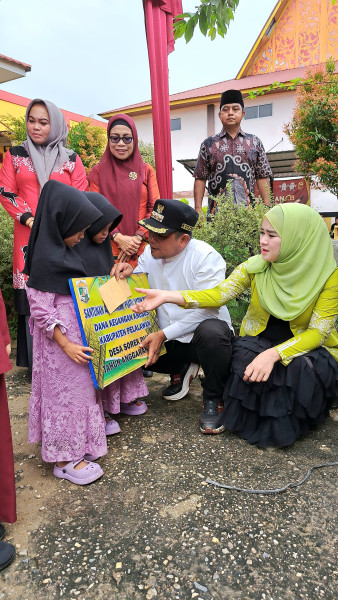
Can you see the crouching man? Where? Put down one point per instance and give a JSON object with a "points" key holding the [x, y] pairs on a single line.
{"points": [[175, 261]]}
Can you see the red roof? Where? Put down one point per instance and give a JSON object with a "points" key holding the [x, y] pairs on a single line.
{"points": [[17, 62], [203, 94], [69, 116]]}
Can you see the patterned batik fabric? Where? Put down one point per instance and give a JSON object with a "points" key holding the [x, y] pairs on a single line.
{"points": [[223, 158]]}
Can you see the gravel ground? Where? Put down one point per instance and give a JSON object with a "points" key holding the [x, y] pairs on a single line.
{"points": [[152, 527]]}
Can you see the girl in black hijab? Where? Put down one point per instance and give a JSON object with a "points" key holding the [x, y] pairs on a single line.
{"points": [[123, 395], [96, 248], [64, 413]]}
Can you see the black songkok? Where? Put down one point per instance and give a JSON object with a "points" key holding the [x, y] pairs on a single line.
{"points": [[232, 97]]}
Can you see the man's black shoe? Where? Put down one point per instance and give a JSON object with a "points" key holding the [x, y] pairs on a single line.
{"points": [[211, 418], [147, 373], [180, 383], [2, 531], [7, 554]]}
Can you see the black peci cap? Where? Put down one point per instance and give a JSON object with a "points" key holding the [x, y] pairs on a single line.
{"points": [[232, 97], [169, 216]]}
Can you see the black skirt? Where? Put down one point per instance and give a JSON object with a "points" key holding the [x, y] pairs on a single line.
{"points": [[293, 400], [24, 338]]}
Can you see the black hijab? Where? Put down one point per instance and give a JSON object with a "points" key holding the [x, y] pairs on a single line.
{"points": [[98, 258], [62, 211]]}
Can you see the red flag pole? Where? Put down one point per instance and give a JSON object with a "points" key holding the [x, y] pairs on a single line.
{"points": [[158, 21]]}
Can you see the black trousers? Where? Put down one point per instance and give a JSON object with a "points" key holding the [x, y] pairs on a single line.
{"points": [[210, 347]]}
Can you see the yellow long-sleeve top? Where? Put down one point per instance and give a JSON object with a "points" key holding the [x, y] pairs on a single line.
{"points": [[313, 328]]}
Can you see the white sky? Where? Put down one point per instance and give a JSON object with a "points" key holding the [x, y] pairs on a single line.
{"points": [[90, 56]]}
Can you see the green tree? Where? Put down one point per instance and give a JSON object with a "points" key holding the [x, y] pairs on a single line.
{"points": [[16, 128], [88, 141], [6, 267], [314, 127], [212, 16], [147, 152]]}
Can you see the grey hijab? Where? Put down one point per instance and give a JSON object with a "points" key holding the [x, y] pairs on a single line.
{"points": [[53, 154]]}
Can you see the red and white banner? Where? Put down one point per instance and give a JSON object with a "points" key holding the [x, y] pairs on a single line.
{"points": [[291, 190]]}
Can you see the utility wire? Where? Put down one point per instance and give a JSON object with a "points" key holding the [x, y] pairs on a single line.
{"points": [[276, 491]]}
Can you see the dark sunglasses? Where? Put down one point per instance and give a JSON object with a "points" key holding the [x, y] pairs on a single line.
{"points": [[126, 139]]}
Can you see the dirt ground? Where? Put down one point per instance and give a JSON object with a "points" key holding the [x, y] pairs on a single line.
{"points": [[152, 527]]}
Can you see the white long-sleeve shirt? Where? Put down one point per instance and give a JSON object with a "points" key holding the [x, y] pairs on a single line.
{"points": [[197, 267]]}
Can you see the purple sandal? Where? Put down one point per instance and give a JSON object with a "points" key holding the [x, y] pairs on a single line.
{"points": [[91, 457], [91, 472], [111, 426], [138, 407]]}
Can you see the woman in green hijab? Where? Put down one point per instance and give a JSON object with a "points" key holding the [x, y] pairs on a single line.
{"points": [[284, 370]]}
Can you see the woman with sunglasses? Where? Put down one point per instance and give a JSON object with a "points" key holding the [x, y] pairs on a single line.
{"points": [[129, 184]]}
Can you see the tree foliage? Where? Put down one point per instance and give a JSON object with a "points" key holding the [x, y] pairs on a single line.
{"points": [[147, 152], [234, 232], [212, 16], [6, 267], [88, 141], [314, 127], [15, 128], [234, 229]]}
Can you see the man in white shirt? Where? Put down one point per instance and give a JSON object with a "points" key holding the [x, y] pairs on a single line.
{"points": [[192, 337]]}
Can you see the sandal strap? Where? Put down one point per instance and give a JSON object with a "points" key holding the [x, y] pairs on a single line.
{"points": [[77, 462]]}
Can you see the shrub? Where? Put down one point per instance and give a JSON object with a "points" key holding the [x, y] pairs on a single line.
{"points": [[16, 128], [314, 127], [234, 232], [147, 152], [6, 266], [88, 141]]}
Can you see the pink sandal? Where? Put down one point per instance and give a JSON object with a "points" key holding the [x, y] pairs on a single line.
{"points": [[91, 472], [138, 407]]}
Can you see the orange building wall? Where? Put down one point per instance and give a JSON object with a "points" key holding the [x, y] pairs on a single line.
{"points": [[305, 35]]}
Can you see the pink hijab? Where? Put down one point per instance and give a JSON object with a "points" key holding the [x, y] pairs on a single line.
{"points": [[120, 181]]}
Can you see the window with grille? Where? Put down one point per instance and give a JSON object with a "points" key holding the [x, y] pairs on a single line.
{"points": [[258, 112], [175, 124]]}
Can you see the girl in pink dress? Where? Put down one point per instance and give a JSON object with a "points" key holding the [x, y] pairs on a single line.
{"points": [[65, 413]]}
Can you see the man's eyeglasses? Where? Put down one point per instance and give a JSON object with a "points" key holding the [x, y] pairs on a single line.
{"points": [[159, 236], [126, 139]]}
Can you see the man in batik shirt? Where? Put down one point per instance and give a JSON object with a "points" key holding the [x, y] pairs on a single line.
{"points": [[232, 155]]}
